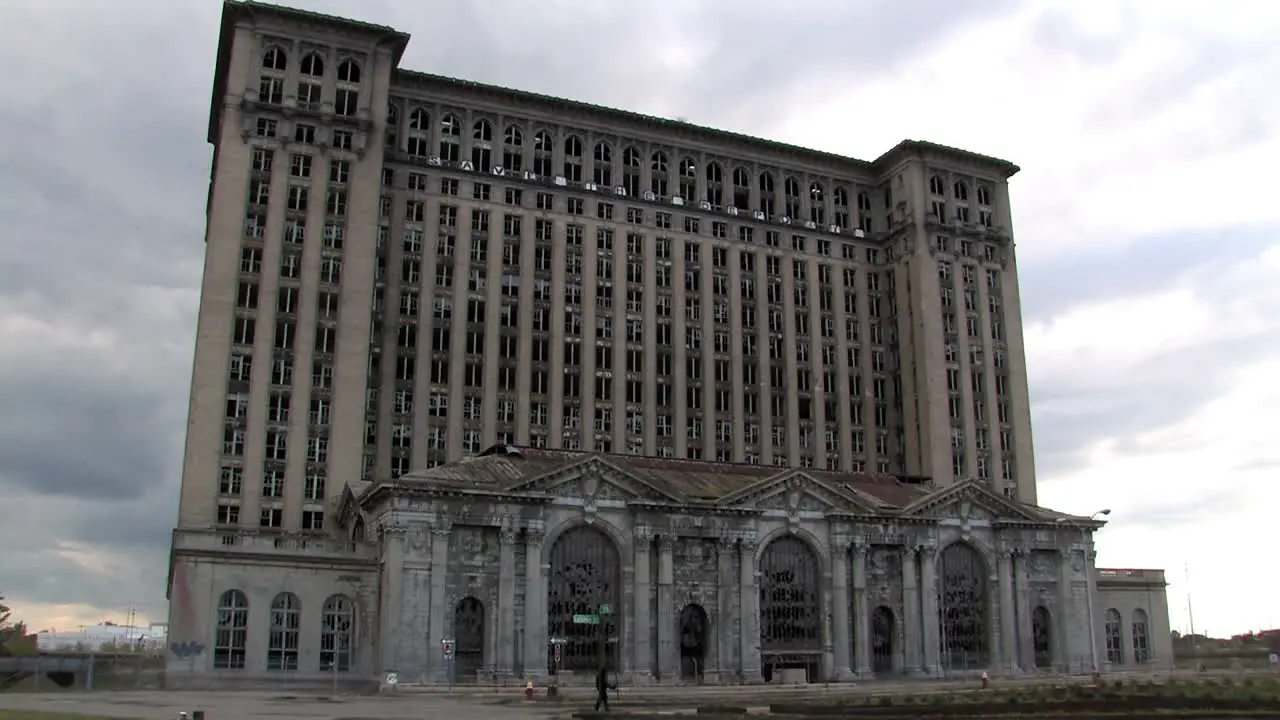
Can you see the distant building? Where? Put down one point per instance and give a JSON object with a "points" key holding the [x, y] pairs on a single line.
{"points": [[94, 637]]}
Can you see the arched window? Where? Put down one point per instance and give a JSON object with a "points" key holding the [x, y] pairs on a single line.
{"points": [[543, 152], [513, 149], [275, 59], [631, 171], [962, 608], [1141, 639], [790, 607], [840, 205], [349, 72], [602, 167], [337, 634], [984, 195], [419, 141], [688, 178], [450, 138], [883, 630], [358, 530], [766, 194], [482, 146], [573, 159], [715, 185], [817, 204], [282, 643], [1042, 637], [1114, 634], [741, 188], [231, 635], [694, 636], [312, 65], [468, 637], [658, 174], [391, 133], [791, 192], [585, 574]]}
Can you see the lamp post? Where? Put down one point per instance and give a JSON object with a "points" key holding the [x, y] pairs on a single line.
{"points": [[1088, 596]]}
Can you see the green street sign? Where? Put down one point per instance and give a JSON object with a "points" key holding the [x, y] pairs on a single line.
{"points": [[606, 609], [586, 619]]}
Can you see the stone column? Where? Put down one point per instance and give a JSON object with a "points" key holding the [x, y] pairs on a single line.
{"points": [[535, 599], [507, 601], [827, 670], [668, 653], [995, 621], [1008, 617], [643, 660], [1062, 619], [748, 590], [843, 633], [861, 611], [1022, 605], [930, 621], [725, 625], [911, 643], [392, 619], [441, 621]]}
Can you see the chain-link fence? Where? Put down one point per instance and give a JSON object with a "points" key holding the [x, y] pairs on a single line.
{"points": [[115, 671]]}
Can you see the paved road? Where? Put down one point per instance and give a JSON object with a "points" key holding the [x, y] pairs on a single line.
{"points": [[260, 706]]}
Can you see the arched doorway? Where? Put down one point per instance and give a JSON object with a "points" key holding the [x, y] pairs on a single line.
{"points": [[694, 627], [790, 608], [1041, 632], [468, 639], [585, 579], [882, 632], [962, 608]]}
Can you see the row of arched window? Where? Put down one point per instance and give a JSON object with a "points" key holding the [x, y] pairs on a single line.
{"points": [[959, 190], [1139, 650], [337, 633], [275, 59]]}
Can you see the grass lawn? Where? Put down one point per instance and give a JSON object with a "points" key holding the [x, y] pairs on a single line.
{"points": [[37, 715]]}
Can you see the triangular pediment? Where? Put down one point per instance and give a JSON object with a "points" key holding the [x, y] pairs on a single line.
{"points": [[968, 500], [594, 478], [796, 491]]}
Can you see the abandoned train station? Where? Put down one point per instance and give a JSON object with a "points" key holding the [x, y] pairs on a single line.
{"points": [[529, 562]]}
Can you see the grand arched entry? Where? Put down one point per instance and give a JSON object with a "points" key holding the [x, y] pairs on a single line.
{"points": [[962, 608], [1041, 632], [468, 638], [584, 600], [790, 608], [694, 636], [882, 632]]}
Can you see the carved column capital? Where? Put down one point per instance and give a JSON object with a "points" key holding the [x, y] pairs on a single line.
{"points": [[533, 535], [441, 527], [750, 543], [509, 536], [840, 544], [926, 549], [726, 542], [643, 535], [393, 529], [666, 542]]}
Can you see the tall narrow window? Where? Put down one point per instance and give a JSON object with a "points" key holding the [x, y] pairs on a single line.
{"points": [[336, 634], [231, 634], [282, 644]]}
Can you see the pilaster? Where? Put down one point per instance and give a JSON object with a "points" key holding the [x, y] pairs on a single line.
{"points": [[1022, 605], [1008, 617], [861, 610], [912, 642], [844, 639], [439, 622], [749, 593], [931, 622], [507, 600], [535, 598], [724, 627], [642, 662], [995, 620], [668, 652], [390, 617], [1061, 620]]}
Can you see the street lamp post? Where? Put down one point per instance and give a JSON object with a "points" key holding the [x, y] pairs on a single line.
{"points": [[1088, 595]]}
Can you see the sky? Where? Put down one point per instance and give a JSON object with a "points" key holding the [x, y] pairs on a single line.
{"points": [[1149, 254]]}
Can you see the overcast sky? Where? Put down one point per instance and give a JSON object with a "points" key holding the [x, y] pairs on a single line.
{"points": [[1147, 237]]}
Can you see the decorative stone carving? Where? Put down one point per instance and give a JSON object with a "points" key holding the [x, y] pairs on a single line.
{"points": [[510, 536], [666, 542], [1040, 565]]}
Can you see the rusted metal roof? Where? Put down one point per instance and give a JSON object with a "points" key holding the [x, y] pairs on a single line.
{"points": [[505, 466]]}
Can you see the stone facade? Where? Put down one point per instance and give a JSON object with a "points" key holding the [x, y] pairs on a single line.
{"points": [[728, 572]]}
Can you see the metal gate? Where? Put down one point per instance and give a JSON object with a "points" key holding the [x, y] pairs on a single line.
{"points": [[468, 638], [585, 579], [790, 608], [962, 604]]}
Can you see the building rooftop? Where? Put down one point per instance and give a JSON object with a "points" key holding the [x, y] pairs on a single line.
{"points": [[243, 10]]}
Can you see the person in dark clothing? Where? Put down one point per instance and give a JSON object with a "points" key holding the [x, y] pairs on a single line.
{"points": [[602, 689]]}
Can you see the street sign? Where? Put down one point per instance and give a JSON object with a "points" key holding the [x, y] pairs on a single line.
{"points": [[446, 646], [606, 609], [586, 619], [391, 680], [558, 651]]}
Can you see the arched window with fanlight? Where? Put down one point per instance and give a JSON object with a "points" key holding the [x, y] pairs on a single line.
{"points": [[1113, 630], [282, 642], [337, 634], [231, 636], [1141, 637]]}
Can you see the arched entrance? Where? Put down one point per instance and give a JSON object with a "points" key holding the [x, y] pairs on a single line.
{"points": [[1041, 631], [468, 638], [694, 632], [790, 608], [962, 608], [882, 632], [584, 600]]}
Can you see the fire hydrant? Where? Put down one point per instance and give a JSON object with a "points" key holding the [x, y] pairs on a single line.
{"points": [[528, 690], [986, 680]]}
